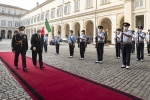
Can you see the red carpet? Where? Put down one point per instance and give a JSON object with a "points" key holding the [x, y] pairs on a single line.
{"points": [[54, 84]]}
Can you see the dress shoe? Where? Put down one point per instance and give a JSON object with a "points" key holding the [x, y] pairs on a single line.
{"points": [[24, 69], [123, 66], [97, 61], [16, 67], [35, 66], [42, 67]]}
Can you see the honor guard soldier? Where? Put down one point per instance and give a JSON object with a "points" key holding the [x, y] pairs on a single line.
{"points": [[117, 40], [20, 45], [126, 39], [139, 38], [100, 44], [71, 42], [148, 42], [133, 42], [82, 44], [57, 41]]}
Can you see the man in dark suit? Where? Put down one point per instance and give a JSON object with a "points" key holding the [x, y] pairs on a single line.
{"points": [[37, 42], [20, 45]]}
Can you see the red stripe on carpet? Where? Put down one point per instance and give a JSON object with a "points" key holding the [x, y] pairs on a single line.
{"points": [[53, 84]]}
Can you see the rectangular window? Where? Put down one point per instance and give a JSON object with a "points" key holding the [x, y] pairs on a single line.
{"points": [[10, 23], [2, 10], [76, 5], [21, 23], [139, 3], [59, 11], [16, 24], [42, 17], [38, 18], [67, 8], [47, 15], [139, 20], [104, 1], [88, 3], [3, 23], [31, 20], [8, 11], [52, 13], [35, 19]]}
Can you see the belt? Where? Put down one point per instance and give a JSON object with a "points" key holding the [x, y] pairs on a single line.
{"points": [[126, 43], [141, 42], [19, 42], [100, 42]]}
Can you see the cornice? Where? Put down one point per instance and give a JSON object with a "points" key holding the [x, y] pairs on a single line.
{"points": [[10, 15], [81, 15], [37, 7], [5, 5]]}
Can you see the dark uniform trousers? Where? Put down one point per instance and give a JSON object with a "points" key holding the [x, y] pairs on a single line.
{"points": [[71, 48], [45, 46], [117, 49], [23, 55], [34, 57], [20, 46], [57, 48], [148, 47], [140, 51], [126, 53], [82, 49], [133, 47], [100, 47]]}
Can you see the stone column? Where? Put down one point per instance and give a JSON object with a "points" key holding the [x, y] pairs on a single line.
{"points": [[128, 12], [82, 25], [55, 30], [71, 26], [63, 31], [148, 14], [113, 28], [6, 33]]}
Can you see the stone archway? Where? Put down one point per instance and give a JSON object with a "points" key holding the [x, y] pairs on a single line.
{"points": [[59, 28], [89, 30], [121, 22], [76, 28], [9, 35], [15, 32], [3, 33], [107, 24], [67, 29]]}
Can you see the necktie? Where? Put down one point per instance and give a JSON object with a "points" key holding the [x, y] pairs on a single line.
{"points": [[39, 36]]}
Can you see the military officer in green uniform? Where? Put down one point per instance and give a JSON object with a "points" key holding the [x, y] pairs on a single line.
{"points": [[20, 46]]}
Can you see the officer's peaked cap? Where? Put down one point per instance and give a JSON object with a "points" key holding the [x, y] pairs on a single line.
{"points": [[21, 28], [100, 27], [126, 24]]}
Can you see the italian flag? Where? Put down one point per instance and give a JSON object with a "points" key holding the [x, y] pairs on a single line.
{"points": [[47, 26]]}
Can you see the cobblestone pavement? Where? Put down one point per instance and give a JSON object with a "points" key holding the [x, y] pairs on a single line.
{"points": [[9, 87], [135, 80]]}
